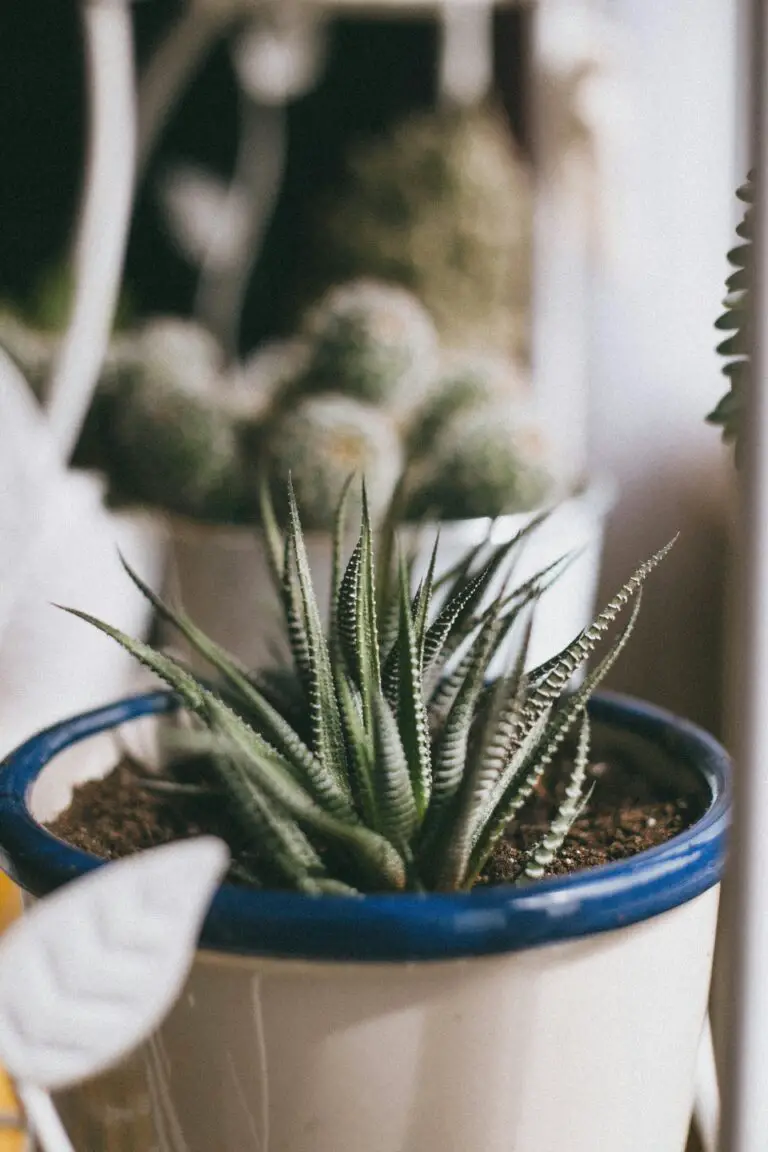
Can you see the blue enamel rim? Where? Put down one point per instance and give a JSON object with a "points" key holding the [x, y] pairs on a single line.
{"points": [[407, 927]]}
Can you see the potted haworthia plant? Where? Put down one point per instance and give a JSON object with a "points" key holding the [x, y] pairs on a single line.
{"points": [[404, 835]]}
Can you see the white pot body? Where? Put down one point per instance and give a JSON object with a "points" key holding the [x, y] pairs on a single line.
{"points": [[587, 1046], [51, 664], [221, 578]]}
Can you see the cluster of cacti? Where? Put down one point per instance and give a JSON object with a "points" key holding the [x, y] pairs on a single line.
{"points": [[469, 444], [362, 388], [728, 412], [444, 206], [392, 765]]}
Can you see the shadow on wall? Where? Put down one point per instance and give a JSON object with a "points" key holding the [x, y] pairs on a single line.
{"points": [[678, 649]]}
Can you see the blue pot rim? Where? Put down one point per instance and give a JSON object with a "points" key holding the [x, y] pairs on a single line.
{"points": [[407, 927]]}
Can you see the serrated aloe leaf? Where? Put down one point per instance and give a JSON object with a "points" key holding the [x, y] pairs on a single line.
{"points": [[411, 713], [272, 725], [458, 574], [424, 597], [295, 623], [508, 795], [455, 619], [387, 568], [360, 750], [420, 606], [366, 638], [397, 815], [491, 751], [373, 853], [272, 536], [326, 722], [349, 598], [339, 536], [268, 770], [442, 690], [543, 853], [278, 837], [557, 675], [449, 759]]}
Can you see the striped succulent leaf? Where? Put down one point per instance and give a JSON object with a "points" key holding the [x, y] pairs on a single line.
{"points": [[381, 763]]}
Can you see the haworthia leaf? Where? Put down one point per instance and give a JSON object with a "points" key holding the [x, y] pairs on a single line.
{"points": [[349, 598], [272, 538], [278, 837], [558, 673], [504, 804], [339, 536], [542, 854], [326, 722], [360, 751], [397, 815], [491, 752], [272, 725], [411, 713]]}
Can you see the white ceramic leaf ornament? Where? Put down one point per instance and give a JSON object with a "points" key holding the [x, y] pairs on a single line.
{"points": [[93, 969]]}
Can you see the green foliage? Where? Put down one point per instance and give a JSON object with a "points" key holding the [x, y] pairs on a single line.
{"points": [[404, 768], [728, 413]]}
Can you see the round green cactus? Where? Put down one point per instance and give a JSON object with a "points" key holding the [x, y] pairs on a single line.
{"points": [[176, 449], [444, 206], [487, 464], [322, 442], [177, 353], [372, 341], [465, 381]]}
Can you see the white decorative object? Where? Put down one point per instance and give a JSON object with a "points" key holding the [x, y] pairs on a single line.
{"points": [[105, 217], [58, 538], [91, 971]]}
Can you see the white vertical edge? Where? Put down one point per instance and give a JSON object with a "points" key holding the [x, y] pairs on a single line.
{"points": [[43, 1119], [745, 1096], [465, 67], [560, 274], [105, 217]]}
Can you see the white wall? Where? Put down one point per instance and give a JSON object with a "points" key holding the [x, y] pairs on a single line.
{"points": [[654, 374]]}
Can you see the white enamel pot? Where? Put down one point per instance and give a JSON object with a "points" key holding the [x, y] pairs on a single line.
{"points": [[220, 574], [50, 666], [562, 1015]]}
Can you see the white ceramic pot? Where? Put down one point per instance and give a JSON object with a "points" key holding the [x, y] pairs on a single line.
{"points": [[562, 1015], [220, 574], [51, 664]]}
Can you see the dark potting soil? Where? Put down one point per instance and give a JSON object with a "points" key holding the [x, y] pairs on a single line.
{"points": [[124, 813]]}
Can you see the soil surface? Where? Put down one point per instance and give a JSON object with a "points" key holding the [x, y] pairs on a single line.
{"points": [[124, 813]]}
